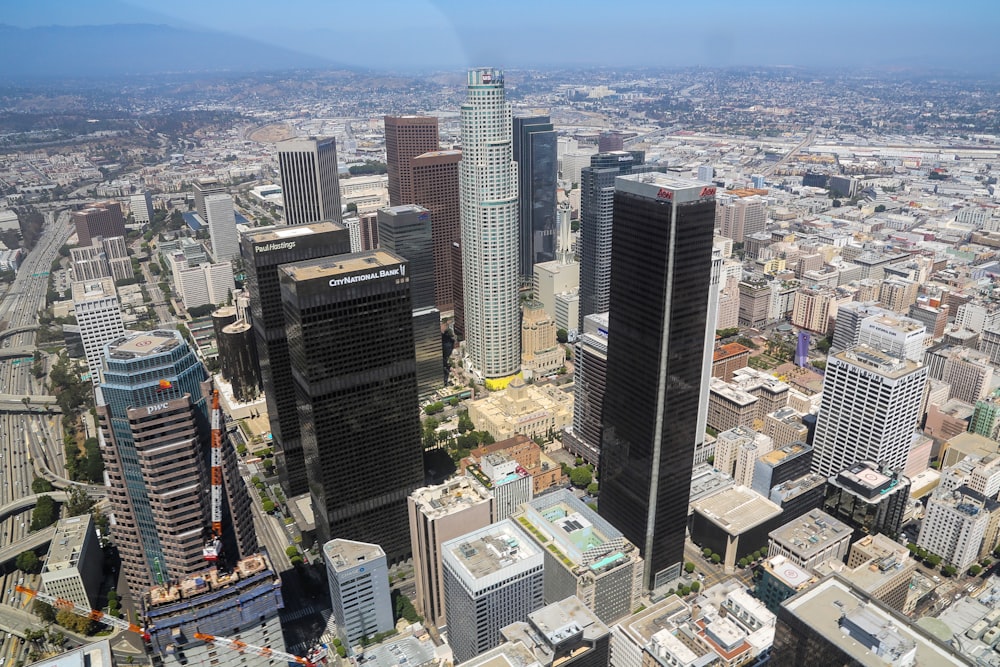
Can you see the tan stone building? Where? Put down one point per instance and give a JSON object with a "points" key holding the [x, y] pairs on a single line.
{"points": [[540, 351], [529, 409]]}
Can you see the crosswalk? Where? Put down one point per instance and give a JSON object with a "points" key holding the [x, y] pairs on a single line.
{"points": [[297, 614]]}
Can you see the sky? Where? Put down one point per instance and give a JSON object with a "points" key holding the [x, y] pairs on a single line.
{"points": [[454, 34]]}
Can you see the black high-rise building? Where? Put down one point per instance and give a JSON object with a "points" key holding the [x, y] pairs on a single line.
{"points": [[656, 372], [537, 167], [597, 193], [350, 343], [406, 231], [263, 250]]}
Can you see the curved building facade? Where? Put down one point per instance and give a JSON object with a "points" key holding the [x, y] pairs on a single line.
{"points": [[490, 234], [238, 360]]}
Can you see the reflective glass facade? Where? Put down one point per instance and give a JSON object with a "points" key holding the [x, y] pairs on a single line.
{"points": [[661, 264]]}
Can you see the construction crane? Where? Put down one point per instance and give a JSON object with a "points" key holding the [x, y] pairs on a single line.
{"points": [[214, 545], [316, 655], [92, 614]]}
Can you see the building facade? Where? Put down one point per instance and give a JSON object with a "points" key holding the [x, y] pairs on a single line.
{"points": [[221, 219], [492, 578], [407, 231], [350, 345], [438, 514], [263, 251], [359, 589], [406, 137], [435, 187], [848, 428], [490, 235], [662, 263], [310, 183], [101, 219], [99, 317], [597, 196], [537, 170]]}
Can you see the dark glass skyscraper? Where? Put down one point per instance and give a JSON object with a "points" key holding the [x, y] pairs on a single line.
{"points": [[535, 154], [406, 231], [350, 342], [656, 374], [264, 249], [597, 193]]}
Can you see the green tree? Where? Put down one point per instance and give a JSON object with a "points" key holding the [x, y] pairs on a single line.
{"points": [[562, 336], [695, 586], [880, 208], [434, 408], [580, 477], [689, 567], [706, 552], [267, 505], [716, 558], [975, 569], [44, 611], [593, 488], [28, 561], [949, 570], [44, 514], [39, 485], [79, 502], [743, 562]]}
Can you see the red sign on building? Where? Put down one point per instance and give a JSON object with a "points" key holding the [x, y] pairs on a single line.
{"points": [[707, 192], [663, 193]]}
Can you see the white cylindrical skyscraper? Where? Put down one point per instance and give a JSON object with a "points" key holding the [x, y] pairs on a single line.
{"points": [[488, 192]]}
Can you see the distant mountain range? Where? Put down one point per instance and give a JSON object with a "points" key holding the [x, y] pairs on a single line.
{"points": [[116, 49]]}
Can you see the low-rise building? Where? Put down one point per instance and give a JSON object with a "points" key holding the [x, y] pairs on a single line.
{"points": [[529, 409], [811, 539], [73, 569], [565, 633], [733, 523], [585, 555]]}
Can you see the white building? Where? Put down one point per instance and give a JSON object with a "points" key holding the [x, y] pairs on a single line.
{"points": [[310, 181], [74, 567], [359, 589], [490, 234], [99, 316], [899, 336], [222, 227], [505, 479], [870, 406], [492, 578], [141, 206], [202, 284], [955, 524]]}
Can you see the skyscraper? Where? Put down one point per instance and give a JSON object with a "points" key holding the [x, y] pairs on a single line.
{"points": [[406, 231], [221, 219], [310, 184], [204, 187], [350, 344], [406, 137], [658, 371], [359, 589], [435, 187], [597, 194], [488, 187], [101, 219], [154, 442], [264, 249], [738, 217], [870, 406], [537, 171], [100, 318]]}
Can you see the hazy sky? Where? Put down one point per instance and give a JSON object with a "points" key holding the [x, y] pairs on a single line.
{"points": [[407, 34]]}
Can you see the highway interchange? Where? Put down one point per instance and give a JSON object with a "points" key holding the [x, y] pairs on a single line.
{"points": [[30, 444]]}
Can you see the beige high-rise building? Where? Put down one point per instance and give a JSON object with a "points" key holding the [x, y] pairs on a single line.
{"points": [[737, 218], [99, 315], [438, 514], [540, 350], [898, 294], [816, 307], [969, 372]]}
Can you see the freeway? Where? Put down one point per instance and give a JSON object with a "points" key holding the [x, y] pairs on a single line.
{"points": [[808, 139], [30, 443], [28, 502]]}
